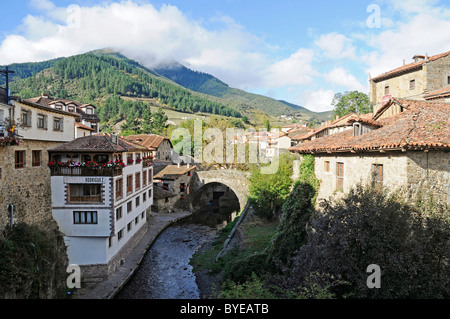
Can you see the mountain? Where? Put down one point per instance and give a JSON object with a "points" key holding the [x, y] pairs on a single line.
{"points": [[210, 85], [102, 75], [97, 77]]}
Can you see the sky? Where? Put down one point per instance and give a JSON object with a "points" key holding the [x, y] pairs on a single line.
{"points": [[302, 52]]}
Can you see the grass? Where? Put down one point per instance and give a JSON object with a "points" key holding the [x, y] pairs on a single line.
{"points": [[257, 235]]}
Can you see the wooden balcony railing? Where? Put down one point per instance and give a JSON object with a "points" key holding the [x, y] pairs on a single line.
{"points": [[85, 171]]}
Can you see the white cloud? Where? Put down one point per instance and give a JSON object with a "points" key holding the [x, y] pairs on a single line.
{"points": [[318, 100], [336, 46], [295, 70], [341, 77]]}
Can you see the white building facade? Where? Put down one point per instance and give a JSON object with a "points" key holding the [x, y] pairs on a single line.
{"points": [[102, 189]]}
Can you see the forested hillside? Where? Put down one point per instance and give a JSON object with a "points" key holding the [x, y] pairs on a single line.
{"points": [[93, 78]]}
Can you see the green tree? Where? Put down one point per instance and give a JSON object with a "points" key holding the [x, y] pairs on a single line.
{"points": [[351, 102], [268, 191]]}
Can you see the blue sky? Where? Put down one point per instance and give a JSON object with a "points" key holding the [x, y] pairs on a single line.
{"points": [[299, 51]]}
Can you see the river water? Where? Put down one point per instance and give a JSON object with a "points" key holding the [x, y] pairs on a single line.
{"points": [[165, 272]]}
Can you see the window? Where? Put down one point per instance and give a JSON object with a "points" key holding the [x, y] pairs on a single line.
{"points": [[138, 201], [129, 226], [165, 186], [386, 90], [144, 197], [138, 181], [448, 80], [136, 220], [42, 121], [85, 193], [182, 187], [36, 158], [57, 124], [150, 176], [339, 176], [20, 159], [149, 193], [129, 184], [119, 188], [412, 84], [327, 166], [378, 175], [118, 213], [129, 207], [130, 159], [356, 129], [120, 234], [144, 178], [85, 218], [26, 118]]}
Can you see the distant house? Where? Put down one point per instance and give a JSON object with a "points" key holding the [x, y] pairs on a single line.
{"points": [[405, 150], [161, 145], [87, 122], [163, 200], [101, 192]]}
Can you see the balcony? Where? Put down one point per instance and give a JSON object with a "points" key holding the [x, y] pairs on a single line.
{"points": [[7, 136], [89, 169]]}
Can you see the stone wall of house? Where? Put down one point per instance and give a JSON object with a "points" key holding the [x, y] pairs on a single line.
{"points": [[358, 168], [28, 188], [400, 86], [163, 152], [402, 171], [438, 72], [429, 172]]}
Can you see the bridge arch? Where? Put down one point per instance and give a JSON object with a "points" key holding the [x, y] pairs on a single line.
{"points": [[237, 181]]}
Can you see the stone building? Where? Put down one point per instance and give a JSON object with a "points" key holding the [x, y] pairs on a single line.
{"points": [[25, 189], [101, 190], [175, 179], [161, 145], [415, 80], [405, 152]]}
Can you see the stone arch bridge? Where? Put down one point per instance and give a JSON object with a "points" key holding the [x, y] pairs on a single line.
{"points": [[237, 181]]}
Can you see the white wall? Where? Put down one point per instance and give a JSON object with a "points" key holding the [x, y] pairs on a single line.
{"points": [[35, 133]]}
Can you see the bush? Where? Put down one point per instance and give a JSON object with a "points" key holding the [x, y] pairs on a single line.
{"points": [[410, 244]]}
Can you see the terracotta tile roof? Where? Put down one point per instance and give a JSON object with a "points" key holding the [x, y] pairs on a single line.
{"points": [[343, 121], [84, 126], [444, 92], [147, 140], [172, 172], [408, 68], [97, 143], [423, 125]]}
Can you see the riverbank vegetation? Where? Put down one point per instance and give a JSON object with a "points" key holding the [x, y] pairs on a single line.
{"points": [[323, 250]]}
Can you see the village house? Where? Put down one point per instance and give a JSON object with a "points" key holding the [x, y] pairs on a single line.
{"points": [[28, 130], [174, 180], [422, 78], [161, 146], [87, 123], [101, 190], [407, 151]]}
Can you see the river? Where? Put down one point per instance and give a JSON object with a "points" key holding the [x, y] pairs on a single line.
{"points": [[165, 272]]}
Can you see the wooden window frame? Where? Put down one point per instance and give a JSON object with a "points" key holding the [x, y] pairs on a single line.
{"points": [[327, 166], [137, 181], [339, 176], [378, 171], [119, 213], [36, 160], [42, 121], [412, 84], [119, 188], [129, 184], [85, 199], [19, 157]]}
